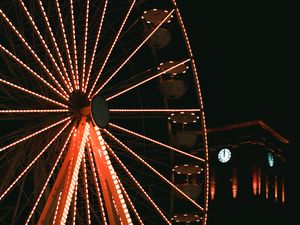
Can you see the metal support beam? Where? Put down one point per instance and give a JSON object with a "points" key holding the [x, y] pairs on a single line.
{"points": [[114, 201], [66, 180]]}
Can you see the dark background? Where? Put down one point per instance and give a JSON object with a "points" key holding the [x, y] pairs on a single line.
{"points": [[247, 56]]}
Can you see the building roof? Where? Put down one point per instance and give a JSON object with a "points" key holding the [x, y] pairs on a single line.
{"points": [[258, 123]]}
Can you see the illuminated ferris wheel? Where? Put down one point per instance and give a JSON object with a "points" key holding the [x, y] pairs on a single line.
{"points": [[101, 115]]}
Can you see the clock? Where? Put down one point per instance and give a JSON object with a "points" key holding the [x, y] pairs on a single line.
{"points": [[224, 155], [270, 159]]}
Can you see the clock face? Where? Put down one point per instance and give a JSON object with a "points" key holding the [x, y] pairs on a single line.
{"points": [[224, 155], [270, 159]]}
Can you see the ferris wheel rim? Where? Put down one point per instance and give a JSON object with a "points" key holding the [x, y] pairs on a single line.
{"points": [[74, 81]]}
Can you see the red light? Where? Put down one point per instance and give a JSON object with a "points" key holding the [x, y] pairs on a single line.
{"points": [[282, 191], [267, 187], [254, 181], [234, 183], [276, 189], [212, 187]]}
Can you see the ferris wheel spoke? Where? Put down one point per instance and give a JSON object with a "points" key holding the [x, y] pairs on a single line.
{"points": [[34, 134], [134, 180], [86, 191], [61, 23], [155, 142], [53, 39], [111, 48], [49, 176], [74, 41], [153, 170], [57, 45], [75, 204], [86, 28], [33, 73], [147, 80], [95, 48], [133, 53], [113, 197], [67, 177], [32, 93], [130, 203], [152, 110], [4, 216], [29, 48], [34, 160], [34, 111], [45, 46], [96, 181]]}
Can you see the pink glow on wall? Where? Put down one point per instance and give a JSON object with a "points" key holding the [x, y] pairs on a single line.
{"points": [[212, 187], [254, 181], [234, 183]]}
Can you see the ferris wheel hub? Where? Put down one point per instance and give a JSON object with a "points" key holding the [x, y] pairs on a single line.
{"points": [[79, 103]]}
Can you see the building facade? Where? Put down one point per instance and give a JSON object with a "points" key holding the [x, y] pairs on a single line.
{"points": [[247, 175]]}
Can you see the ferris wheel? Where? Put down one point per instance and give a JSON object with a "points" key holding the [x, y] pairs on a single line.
{"points": [[101, 115]]}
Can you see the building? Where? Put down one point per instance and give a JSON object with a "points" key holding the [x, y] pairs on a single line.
{"points": [[247, 175]]}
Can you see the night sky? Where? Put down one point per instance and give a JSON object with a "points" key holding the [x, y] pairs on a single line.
{"points": [[245, 53]]}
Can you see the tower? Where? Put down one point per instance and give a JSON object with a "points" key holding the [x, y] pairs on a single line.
{"points": [[247, 174]]}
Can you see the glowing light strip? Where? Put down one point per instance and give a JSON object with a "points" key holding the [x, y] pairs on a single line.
{"points": [[33, 134], [33, 161], [111, 48], [100, 166], [154, 170], [42, 40], [156, 142], [21, 38], [95, 47], [276, 189], [146, 80], [49, 177], [33, 110], [154, 110], [179, 18], [74, 177], [267, 186], [282, 190], [212, 187], [74, 203], [234, 187], [86, 30], [66, 44], [20, 62], [86, 189], [56, 208], [74, 40], [254, 180], [32, 93], [133, 53], [94, 172], [138, 185], [259, 180], [123, 211], [54, 43], [130, 202]]}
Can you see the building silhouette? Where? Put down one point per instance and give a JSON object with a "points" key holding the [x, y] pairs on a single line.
{"points": [[247, 175]]}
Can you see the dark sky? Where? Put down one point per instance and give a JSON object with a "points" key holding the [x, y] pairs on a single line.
{"points": [[246, 60], [246, 55]]}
